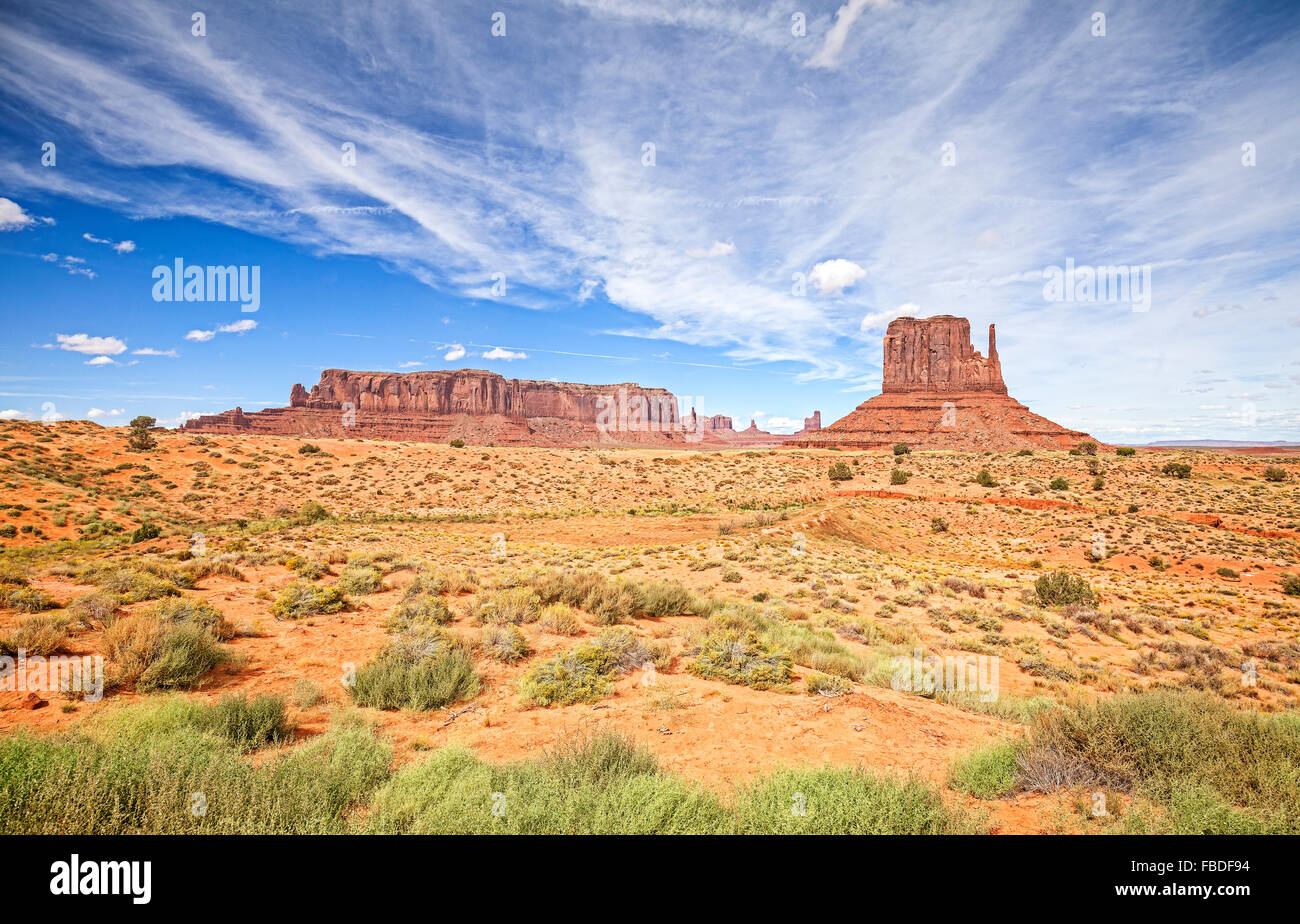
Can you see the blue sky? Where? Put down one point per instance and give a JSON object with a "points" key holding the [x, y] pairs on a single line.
{"points": [[899, 157]]}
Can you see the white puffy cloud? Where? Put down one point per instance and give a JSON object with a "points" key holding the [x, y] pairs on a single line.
{"points": [[507, 355], [200, 336], [456, 352], [96, 413], [14, 218], [100, 361], [84, 343], [832, 277], [12, 414]]}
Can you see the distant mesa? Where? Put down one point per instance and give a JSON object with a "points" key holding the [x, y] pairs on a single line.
{"points": [[483, 407], [939, 392]]}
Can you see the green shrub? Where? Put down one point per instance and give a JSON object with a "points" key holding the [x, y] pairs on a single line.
{"points": [[1088, 448], [1290, 584], [251, 723], [835, 800], [422, 673], [360, 580], [27, 599], [1177, 469], [582, 675], [1274, 473], [1060, 588], [1125, 451], [194, 611], [1059, 484], [901, 449], [984, 479], [131, 778], [312, 512], [504, 643], [602, 784], [611, 602], [303, 598], [457, 444], [39, 634], [145, 532], [559, 618], [839, 471], [1165, 745], [308, 449], [828, 685], [938, 525], [898, 476], [988, 772], [157, 654], [423, 611], [663, 598], [511, 606], [739, 656]]}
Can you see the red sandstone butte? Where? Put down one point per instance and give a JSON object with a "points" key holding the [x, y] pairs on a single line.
{"points": [[482, 407], [938, 392]]}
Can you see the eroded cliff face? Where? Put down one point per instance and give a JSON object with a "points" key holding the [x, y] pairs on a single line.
{"points": [[935, 355], [472, 404]]}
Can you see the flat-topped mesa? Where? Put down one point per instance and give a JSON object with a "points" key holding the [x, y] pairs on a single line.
{"points": [[935, 355]]}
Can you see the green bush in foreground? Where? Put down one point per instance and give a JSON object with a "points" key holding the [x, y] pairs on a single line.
{"points": [[987, 773], [1226, 770], [426, 672], [139, 773], [303, 598], [839, 471], [359, 580], [607, 784]]}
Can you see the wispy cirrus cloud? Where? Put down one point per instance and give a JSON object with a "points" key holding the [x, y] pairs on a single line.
{"points": [[949, 150]]}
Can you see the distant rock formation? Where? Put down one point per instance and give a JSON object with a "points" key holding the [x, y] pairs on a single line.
{"points": [[938, 392], [483, 407]]}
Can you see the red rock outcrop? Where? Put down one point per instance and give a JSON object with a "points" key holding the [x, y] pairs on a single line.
{"points": [[471, 404], [934, 355], [938, 392]]}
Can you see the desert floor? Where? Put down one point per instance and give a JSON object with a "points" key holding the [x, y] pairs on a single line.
{"points": [[1189, 575]]}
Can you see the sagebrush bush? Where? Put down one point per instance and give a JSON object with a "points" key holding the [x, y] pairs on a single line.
{"points": [[154, 654], [1061, 587], [250, 723], [582, 675], [988, 772], [303, 598], [510, 606], [359, 580], [420, 673], [420, 612], [138, 776], [38, 634], [740, 656], [504, 643], [1163, 745], [559, 618]]}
